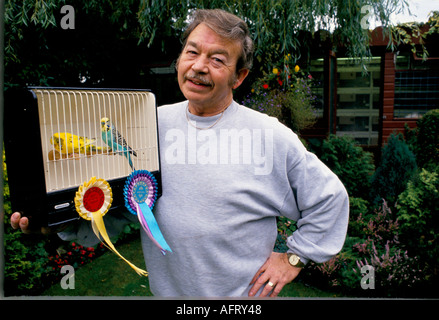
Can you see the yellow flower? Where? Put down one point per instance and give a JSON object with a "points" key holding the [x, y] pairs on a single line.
{"points": [[296, 68], [275, 71], [253, 90]]}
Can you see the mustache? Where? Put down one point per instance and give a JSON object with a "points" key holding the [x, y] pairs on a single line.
{"points": [[198, 78]]}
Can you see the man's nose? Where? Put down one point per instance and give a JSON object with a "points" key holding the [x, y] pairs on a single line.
{"points": [[201, 65]]}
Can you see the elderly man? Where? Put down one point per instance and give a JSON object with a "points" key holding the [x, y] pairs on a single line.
{"points": [[227, 173]]}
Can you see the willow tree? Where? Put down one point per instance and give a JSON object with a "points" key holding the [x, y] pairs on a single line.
{"points": [[275, 24]]}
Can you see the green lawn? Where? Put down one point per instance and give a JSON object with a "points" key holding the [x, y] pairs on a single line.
{"points": [[108, 275]]}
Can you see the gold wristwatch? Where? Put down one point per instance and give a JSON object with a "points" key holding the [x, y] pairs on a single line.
{"points": [[294, 260]]}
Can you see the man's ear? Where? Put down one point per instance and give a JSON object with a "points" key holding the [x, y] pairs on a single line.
{"points": [[241, 75], [177, 62]]}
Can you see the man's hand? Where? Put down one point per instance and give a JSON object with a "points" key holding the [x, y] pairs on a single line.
{"points": [[17, 221], [274, 275]]}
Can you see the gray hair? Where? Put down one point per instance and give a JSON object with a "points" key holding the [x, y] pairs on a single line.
{"points": [[228, 26]]}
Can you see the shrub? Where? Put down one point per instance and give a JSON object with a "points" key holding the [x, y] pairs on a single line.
{"points": [[357, 206], [380, 226], [397, 166], [418, 213], [411, 137], [358, 211], [394, 271], [24, 264], [376, 244], [349, 162], [428, 139], [25, 255]]}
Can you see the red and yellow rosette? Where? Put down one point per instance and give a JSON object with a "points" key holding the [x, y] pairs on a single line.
{"points": [[92, 201]]}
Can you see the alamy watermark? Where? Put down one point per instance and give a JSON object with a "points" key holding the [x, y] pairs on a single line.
{"points": [[368, 279], [68, 281], [68, 20], [225, 146], [367, 10]]}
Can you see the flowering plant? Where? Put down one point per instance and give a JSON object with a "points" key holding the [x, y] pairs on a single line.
{"points": [[373, 240], [285, 93], [282, 77], [74, 255]]}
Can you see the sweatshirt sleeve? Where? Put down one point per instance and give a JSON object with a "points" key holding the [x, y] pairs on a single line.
{"points": [[318, 201]]}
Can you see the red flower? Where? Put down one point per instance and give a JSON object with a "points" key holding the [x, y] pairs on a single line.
{"points": [[310, 76], [280, 82], [265, 86]]}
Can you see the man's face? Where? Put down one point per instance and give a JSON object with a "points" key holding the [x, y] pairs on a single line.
{"points": [[207, 70]]}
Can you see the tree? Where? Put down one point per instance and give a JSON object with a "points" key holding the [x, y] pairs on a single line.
{"points": [[398, 165], [102, 50], [39, 51]]}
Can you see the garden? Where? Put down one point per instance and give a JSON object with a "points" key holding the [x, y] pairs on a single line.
{"points": [[391, 249], [394, 223]]}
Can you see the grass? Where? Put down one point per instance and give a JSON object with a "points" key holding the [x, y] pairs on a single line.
{"points": [[108, 276]]}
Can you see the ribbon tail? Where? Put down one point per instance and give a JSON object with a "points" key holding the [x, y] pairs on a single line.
{"points": [[99, 229], [151, 227], [145, 227]]}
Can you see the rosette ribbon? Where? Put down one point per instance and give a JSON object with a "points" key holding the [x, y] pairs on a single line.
{"points": [[92, 201], [140, 194]]}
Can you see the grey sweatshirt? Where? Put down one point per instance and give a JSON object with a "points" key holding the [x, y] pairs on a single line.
{"points": [[223, 188]]}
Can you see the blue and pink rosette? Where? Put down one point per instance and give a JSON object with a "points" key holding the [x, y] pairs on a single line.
{"points": [[140, 193]]}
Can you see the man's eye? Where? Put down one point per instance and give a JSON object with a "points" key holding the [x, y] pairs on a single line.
{"points": [[217, 61]]}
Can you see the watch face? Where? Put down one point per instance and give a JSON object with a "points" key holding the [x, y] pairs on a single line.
{"points": [[294, 260]]}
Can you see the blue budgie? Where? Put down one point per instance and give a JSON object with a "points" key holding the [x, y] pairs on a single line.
{"points": [[116, 141]]}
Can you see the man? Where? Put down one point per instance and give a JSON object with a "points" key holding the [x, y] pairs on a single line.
{"points": [[227, 173]]}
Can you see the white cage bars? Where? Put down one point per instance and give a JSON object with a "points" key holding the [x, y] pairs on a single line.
{"points": [[72, 143]]}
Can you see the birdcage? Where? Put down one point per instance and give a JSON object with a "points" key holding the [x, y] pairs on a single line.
{"points": [[58, 138]]}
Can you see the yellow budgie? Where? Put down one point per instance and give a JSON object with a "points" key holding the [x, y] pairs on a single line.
{"points": [[67, 143]]}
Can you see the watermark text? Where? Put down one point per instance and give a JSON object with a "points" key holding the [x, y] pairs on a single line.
{"points": [[368, 279], [68, 20], [226, 146], [68, 281]]}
